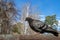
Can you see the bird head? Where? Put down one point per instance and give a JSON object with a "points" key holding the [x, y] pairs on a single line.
{"points": [[28, 19]]}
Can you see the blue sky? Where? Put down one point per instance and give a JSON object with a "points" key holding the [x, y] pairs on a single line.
{"points": [[45, 7]]}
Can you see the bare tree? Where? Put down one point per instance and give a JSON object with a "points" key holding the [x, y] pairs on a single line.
{"points": [[7, 14], [25, 13]]}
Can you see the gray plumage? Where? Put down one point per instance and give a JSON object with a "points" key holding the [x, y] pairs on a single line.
{"points": [[39, 26]]}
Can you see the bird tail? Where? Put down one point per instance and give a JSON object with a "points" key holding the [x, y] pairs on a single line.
{"points": [[53, 31]]}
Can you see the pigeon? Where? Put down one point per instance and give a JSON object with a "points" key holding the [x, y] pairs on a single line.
{"points": [[40, 27]]}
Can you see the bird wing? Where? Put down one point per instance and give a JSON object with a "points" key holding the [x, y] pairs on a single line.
{"points": [[37, 24]]}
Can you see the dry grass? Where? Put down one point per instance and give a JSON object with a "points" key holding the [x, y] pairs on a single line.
{"points": [[31, 37]]}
